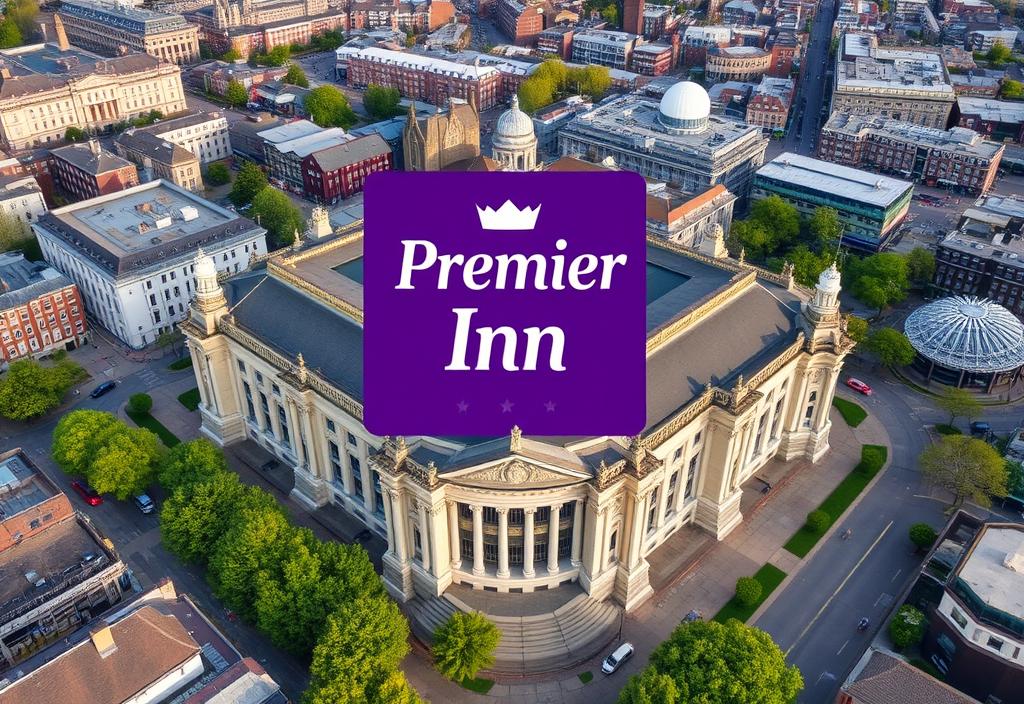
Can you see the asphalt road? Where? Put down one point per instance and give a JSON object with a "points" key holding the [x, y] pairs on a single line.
{"points": [[811, 91], [815, 618]]}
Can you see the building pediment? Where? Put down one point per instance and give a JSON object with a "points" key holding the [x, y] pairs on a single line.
{"points": [[515, 473]]}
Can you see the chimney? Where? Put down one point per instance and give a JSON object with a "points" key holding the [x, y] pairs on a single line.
{"points": [[103, 639], [62, 36], [42, 31], [5, 72], [94, 147]]}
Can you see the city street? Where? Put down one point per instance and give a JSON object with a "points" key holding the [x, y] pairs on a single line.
{"points": [[811, 92]]}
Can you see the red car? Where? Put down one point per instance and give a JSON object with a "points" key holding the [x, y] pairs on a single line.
{"points": [[87, 493], [858, 386]]}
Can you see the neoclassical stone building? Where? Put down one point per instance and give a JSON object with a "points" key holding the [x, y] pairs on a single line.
{"points": [[742, 367]]}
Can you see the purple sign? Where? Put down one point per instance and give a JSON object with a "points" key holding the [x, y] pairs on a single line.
{"points": [[502, 299]]}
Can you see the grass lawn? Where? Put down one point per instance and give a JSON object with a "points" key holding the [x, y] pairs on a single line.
{"points": [[770, 577], [190, 399], [144, 420], [586, 677], [853, 414], [480, 685], [872, 459], [179, 364], [947, 429]]}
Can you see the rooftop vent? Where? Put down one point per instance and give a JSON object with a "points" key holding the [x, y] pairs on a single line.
{"points": [[1015, 560], [189, 213], [103, 639]]}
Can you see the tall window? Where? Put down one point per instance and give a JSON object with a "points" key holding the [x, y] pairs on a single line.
{"points": [[282, 418], [613, 544], [339, 478], [652, 511], [248, 401], [265, 407], [760, 433], [357, 478], [777, 418], [378, 497], [691, 476], [673, 484]]}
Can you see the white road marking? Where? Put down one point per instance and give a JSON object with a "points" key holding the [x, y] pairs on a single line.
{"points": [[896, 575], [838, 652], [839, 588]]}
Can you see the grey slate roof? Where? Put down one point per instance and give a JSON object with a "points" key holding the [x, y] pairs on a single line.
{"points": [[349, 153], [886, 679], [24, 281], [82, 157], [157, 149]]}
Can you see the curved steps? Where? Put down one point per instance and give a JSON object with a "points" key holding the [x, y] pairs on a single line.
{"points": [[529, 645]]}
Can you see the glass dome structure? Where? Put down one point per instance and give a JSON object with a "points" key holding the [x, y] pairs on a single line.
{"points": [[967, 341]]}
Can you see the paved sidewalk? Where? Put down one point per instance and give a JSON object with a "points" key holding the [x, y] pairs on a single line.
{"points": [[706, 585]]}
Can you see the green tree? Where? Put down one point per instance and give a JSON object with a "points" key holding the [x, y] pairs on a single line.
{"points": [[410, 40], [23, 14], [610, 15], [328, 107], [1014, 479], [231, 55], [315, 578], [970, 469], [278, 214], [731, 662], [380, 102], [907, 627], [555, 71], [891, 347], [217, 174], [807, 266], [880, 280], [126, 463], [250, 181], [824, 226], [958, 403], [999, 54], [535, 93], [75, 134], [278, 56], [856, 328], [252, 544], [922, 535], [748, 591], [190, 463], [589, 80], [79, 436], [650, 687], [464, 645], [197, 515], [10, 35], [29, 389], [920, 265], [779, 217], [296, 76], [236, 94], [757, 240], [360, 649], [140, 403], [1011, 89], [13, 232]]}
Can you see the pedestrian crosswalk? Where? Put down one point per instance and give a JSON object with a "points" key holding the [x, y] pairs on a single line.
{"points": [[149, 378]]}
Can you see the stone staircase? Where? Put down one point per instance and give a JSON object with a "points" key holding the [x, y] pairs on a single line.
{"points": [[529, 645]]}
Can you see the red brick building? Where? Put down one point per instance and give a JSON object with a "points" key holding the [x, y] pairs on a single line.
{"points": [[441, 13], [633, 16], [83, 171], [556, 41], [653, 59], [769, 104], [337, 172], [425, 78], [785, 50], [30, 504], [522, 21], [40, 309]]}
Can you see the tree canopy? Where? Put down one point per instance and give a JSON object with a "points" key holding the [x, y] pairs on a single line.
{"points": [[999, 53], [970, 469], [230, 55], [10, 35], [879, 280], [825, 227], [380, 102], [217, 174], [328, 107], [856, 328], [278, 214], [464, 645], [296, 76], [1011, 89], [29, 388], [554, 80], [250, 181], [920, 265], [958, 403], [707, 661], [190, 462], [195, 516], [891, 347], [236, 94]]}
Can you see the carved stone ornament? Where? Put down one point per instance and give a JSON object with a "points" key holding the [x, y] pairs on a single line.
{"points": [[515, 440], [515, 472], [300, 370]]}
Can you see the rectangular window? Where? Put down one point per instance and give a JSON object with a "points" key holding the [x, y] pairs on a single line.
{"points": [[691, 476], [652, 511], [282, 418], [352, 440], [995, 643], [357, 478], [248, 401], [241, 366], [330, 426], [958, 616]]}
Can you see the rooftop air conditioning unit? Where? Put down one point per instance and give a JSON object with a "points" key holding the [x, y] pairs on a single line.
{"points": [[189, 213]]}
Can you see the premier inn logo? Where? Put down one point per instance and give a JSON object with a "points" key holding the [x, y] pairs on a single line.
{"points": [[494, 300]]}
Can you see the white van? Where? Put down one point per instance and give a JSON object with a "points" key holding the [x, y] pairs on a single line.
{"points": [[621, 654]]}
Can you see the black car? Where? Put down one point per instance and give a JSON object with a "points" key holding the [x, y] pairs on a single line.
{"points": [[105, 387], [980, 428]]}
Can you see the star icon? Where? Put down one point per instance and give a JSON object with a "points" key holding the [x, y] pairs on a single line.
{"points": [[462, 406], [506, 406], [549, 406]]}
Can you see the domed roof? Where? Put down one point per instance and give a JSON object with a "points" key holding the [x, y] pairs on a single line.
{"points": [[830, 279], [514, 123], [686, 101], [967, 333]]}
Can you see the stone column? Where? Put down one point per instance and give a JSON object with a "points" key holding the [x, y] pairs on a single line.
{"points": [[389, 521], [316, 467], [364, 469], [577, 532], [553, 538], [663, 499], [424, 536], [684, 475], [291, 412], [637, 534], [503, 542], [528, 542], [398, 513], [478, 539], [346, 467], [454, 535]]}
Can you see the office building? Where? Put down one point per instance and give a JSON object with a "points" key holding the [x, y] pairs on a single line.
{"points": [[41, 310], [21, 198], [117, 29], [520, 20], [603, 47], [339, 171], [159, 158], [999, 120], [769, 103], [83, 171]]}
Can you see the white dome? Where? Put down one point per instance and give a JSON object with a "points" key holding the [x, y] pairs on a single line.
{"points": [[830, 279], [685, 102], [514, 123]]}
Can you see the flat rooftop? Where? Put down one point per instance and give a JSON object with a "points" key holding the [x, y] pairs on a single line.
{"points": [[55, 555], [958, 139], [47, 58], [22, 486], [143, 225], [992, 110], [833, 179], [289, 131], [421, 63], [985, 570]]}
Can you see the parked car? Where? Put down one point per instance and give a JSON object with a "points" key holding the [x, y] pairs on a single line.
{"points": [[980, 428], [87, 493], [615, 660], [145, 503], [858, 386], [105, 387]]}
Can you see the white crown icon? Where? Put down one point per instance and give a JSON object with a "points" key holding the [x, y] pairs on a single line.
{"points": [[508, 217]]}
